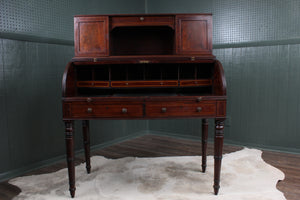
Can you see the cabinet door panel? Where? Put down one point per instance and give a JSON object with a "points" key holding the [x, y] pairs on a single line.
{"points": [[194, 34], [91, 36]]}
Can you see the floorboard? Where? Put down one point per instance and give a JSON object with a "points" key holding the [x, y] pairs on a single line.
{"points": [[154, 146]]}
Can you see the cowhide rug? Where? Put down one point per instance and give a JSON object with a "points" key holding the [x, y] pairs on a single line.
{"points": [[245, 176]]}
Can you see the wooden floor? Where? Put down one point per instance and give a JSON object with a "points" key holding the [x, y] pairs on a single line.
{"points": [[152, 146]]}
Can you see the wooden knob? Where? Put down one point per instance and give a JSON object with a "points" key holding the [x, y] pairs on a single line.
{"points": [[142, 18], [164, 110], [199, 99], [89, 99], [198, 109], [89, 110], [124, 110]]}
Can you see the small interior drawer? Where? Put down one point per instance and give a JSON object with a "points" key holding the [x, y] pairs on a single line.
{"points": [[92, 84], [199, 82]]}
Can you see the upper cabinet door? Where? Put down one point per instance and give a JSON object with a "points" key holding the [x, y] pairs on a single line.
{"points": [[91, 36], [194, 34]]}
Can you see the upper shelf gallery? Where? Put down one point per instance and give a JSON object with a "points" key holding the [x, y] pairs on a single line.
{"points": [[162, 35]]}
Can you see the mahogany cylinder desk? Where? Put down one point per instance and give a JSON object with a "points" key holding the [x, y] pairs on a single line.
{"points": [[148, 66]]}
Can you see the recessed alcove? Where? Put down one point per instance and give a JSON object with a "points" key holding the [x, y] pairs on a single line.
{"points": [[142, 40]]}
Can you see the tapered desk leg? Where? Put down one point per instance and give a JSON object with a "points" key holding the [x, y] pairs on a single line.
{"points": [[86, 142], [218, 145], [204, 142], [70, 155]]}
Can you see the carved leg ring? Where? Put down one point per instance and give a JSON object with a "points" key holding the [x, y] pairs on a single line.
{"points": [[204, 142], [86, 142], [218, 147], [70, 155]]}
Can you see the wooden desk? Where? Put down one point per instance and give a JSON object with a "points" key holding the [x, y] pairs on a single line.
{"points": [[143, 67]]}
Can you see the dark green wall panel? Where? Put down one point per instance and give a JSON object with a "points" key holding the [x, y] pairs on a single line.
{"points": [[32, 96], [258, 45], [1, 71], [241, 21], [255, 21], [191, 127], [110, 130], [54, 19], [179, 6], [293, 109], [32, 99], [35, 45], [4, 142], [263, 98]]}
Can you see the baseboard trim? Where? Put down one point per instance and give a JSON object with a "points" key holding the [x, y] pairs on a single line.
{"points": [[28, 168]]}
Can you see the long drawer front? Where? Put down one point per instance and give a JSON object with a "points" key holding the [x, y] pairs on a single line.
{"points": [[165, 109], [79, 110], [147, 108]]}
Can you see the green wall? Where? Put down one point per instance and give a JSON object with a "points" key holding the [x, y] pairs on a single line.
{"points": [[258, 43], [36, 43]]}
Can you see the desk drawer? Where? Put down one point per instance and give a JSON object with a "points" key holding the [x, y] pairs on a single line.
{"points": [[79, 110], [165, 109], [143, 21]]}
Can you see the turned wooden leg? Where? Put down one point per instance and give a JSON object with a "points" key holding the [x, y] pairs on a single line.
{"points": [[204, 142], [70, 155], [86, 142], [218, 144]]}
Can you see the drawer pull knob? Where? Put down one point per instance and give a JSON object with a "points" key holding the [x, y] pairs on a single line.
{"points": [[164, 110], [199, 99], [142, 18], [124, 110], [199, 109], [89, 99], [89, 110], [144, 61]]}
